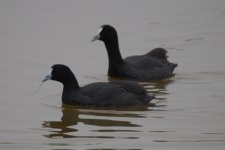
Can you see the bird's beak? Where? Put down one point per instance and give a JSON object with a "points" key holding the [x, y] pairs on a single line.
{"points": [[95, 38], [47, 77]]}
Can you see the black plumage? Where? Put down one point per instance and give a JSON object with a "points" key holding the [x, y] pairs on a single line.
{"points": [[151, 66], [114, 93]]}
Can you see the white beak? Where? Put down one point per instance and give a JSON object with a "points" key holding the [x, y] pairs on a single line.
{"points": [[97, 37], [48, 76]]}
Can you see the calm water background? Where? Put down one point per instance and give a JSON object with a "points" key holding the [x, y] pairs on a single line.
{"points": [[189, 111]]}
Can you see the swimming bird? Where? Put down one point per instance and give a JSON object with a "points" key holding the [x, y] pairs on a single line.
{"points": [[151, 66], [114, 93]]}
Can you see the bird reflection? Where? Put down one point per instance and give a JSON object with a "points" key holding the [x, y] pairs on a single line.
{"points": [[159, 90], [66, 128], [62, 128], [72, 115], [154, 87], [157, 87]]}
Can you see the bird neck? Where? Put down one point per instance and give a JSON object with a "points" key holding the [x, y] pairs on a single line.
{"points": [[114, 56], [70, 84]]}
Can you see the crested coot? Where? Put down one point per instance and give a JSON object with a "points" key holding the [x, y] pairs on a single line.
{"points": [[114, 93], [151, 66]]}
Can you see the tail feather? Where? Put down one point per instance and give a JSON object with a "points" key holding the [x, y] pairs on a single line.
{"points": [[158, 53], [149, 99], [173, 66]]}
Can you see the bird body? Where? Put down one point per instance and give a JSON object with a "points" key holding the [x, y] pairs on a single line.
{"points": [[151, 66], [113, 93]]}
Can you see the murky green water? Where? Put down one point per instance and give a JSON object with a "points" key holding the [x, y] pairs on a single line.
{"points": [[189, 109]]}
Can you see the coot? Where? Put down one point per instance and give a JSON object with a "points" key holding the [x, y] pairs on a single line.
{"points": [[114, 93], [151, 66]]}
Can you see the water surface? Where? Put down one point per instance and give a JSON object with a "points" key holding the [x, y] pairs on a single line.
{"points": [[189, 109]]}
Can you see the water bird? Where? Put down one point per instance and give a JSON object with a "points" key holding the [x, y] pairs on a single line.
{"points": [[151, 66], [112, 93]]}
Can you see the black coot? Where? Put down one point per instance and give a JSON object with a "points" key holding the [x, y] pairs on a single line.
{"points": [[151, 66], [114, 93]]}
